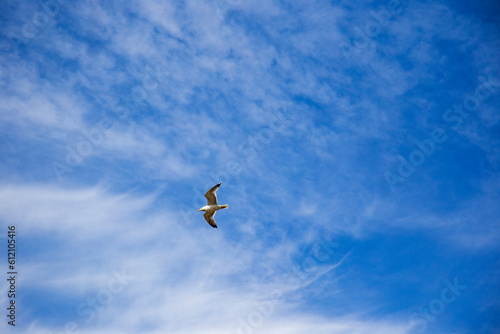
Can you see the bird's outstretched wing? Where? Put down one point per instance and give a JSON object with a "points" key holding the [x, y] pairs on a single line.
{"points": [[211, 196], [209, 217]]}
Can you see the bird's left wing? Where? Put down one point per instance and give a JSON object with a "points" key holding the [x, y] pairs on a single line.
{"points": [[211, 196]]}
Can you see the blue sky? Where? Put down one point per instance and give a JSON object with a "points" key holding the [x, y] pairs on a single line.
{"points": [[357, 143]]}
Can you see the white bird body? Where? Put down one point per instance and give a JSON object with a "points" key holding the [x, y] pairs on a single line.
{"points": [[212, 206]]}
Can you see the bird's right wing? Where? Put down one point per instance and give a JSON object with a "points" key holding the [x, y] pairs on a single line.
{"points": [[211, 196], [209, 217]]}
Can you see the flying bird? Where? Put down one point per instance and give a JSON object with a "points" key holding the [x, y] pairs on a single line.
{"points": [[212, 206]]}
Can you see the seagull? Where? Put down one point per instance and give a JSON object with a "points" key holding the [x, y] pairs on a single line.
{"points": [[212, 206]]}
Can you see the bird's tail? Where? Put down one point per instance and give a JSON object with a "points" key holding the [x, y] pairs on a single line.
{"points": [[225, 206]]}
